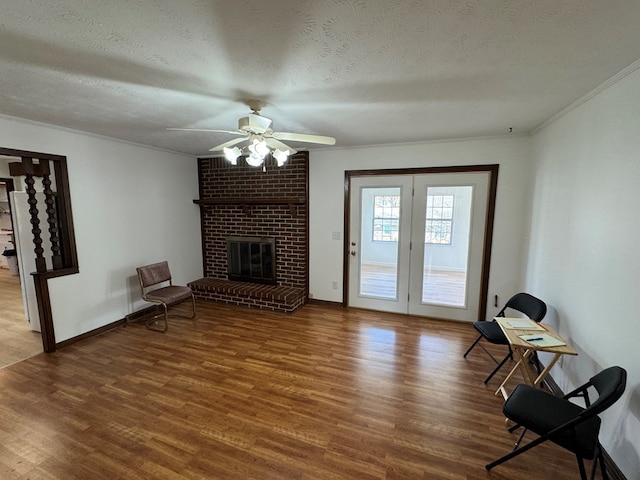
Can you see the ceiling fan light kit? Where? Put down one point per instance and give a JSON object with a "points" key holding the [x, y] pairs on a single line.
{"points": [[232, 154], [256, 153], [262, 140]]}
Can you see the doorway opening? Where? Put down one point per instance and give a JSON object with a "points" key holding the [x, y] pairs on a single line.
{"points": [[419, 240], [18, 340], [47, 201]]}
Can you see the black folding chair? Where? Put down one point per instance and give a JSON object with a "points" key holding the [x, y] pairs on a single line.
{"points": [[532, 307], [563, 422]]}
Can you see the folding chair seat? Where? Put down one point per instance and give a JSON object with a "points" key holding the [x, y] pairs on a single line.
{"points": [[527, 304]]}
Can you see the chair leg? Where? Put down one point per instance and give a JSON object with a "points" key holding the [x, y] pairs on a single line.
{"points": [[193, 304], [515, 453], [583, 473], [498, 367], [517, 444], [151, 321], [472, 345], [166, 317], [599, 458], [514, 427]]}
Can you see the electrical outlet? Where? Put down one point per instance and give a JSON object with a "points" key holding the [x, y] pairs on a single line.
{"points": [[335, 236], [334, 285]]}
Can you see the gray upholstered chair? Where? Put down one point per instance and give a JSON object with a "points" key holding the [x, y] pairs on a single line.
{"points": [[156, 285]]}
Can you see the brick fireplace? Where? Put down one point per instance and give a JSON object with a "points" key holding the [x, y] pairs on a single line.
{"points": [[242, 201]]}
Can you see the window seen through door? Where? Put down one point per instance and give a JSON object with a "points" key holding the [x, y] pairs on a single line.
{"points": [[439, 219], [386, 218]]}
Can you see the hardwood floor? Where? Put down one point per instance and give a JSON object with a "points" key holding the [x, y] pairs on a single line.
{"points": [[17, 341], [323, 393]]}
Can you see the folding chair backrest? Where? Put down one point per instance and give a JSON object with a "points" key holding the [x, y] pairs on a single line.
{"points": [[532, 307], [154, 274], [610, 384]]}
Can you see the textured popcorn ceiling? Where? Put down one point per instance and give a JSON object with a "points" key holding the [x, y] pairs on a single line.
{"points": [[364, 71]]}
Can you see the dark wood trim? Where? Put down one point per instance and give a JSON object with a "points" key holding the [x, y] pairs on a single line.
{"points": [[10, 152], [488, 239], [306, 225], [67, 231], [9, 187], [420, 171], [326, 303], [613, 471], [92, 333], [492, 169], [47, 331], [63, 272], [141, 314], [345, 244], [202, 229], [68, 262]]}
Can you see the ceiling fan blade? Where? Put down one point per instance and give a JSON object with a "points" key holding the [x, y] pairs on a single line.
{"points": [[303, 137], [273, 143], [233, 132], [230, 143]]}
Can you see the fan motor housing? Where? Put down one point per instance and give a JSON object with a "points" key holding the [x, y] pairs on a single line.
{"points": [[254, 124]]}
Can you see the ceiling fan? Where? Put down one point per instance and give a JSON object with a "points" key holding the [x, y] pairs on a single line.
{"points": [[262, 139]]}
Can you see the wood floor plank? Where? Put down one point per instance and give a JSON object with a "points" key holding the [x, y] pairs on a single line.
{"points": [[17, 341], [323, 393]]}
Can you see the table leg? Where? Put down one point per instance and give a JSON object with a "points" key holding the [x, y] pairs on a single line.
{"points": [[526, 374], [546, 370], [520, 363]]}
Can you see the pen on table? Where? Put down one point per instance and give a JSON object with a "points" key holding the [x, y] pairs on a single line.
{"points": [[534, 339]]}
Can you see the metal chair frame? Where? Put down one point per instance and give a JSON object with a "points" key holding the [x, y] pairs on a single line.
{"points": [[150, 277]]}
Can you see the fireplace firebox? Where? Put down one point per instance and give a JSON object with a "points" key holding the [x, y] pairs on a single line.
{"points": [[252, 259]]}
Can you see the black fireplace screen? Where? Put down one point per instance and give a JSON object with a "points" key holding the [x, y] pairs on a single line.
{"points": [[252, 259]]}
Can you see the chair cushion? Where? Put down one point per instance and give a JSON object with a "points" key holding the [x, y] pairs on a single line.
{"points": [[491, 331], [169, 295], [154, 274], [541, 412]]}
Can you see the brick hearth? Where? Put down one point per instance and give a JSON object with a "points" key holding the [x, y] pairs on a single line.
{"points": [[270, 297]]}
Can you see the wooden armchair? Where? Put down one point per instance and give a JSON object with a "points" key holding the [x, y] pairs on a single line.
{"points": [[151, 278]]}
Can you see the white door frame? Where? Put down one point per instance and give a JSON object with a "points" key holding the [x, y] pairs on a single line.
{"points": [[488, 233]]}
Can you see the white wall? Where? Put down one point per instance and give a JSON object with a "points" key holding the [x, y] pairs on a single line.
{"points": [[326, 191], [584, 255], [131, 206]]}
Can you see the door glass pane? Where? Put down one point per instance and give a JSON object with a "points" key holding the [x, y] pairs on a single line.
{"points": [[379, 235], [446, 245]]}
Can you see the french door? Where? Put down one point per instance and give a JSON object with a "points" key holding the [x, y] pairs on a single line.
{"points": [[418, 243]]}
